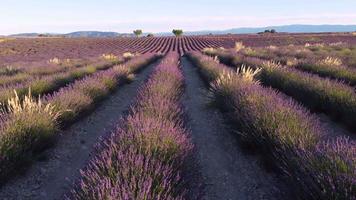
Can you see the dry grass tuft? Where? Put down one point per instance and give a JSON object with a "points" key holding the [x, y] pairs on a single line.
{"points": [[6, 39], [128, 55], [330, 61], [209, 50], [248, 73], [239, 46], [292, 62], [271, 64], [30, 105], [109, 57], [55, 60]]}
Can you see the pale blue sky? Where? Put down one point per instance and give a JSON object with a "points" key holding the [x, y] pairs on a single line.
{"points": [[162, 15]]}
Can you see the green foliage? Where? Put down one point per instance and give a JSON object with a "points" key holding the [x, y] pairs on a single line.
{"points": [[137, 32], [177, 32]]}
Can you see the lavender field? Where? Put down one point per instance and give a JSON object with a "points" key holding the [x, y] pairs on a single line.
{"points": [[205, 118]]}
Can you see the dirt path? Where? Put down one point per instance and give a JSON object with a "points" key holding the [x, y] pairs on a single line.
{"points": [[333, 128], [51, 178], [227, 172]]}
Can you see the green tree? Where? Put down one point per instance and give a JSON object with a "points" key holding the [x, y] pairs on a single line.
{"points": [[137, 32], [177, 32]]}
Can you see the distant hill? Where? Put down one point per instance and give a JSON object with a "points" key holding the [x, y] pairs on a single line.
{"points": [[296, 28], [299, 28], [92, 34], [25, 35]]}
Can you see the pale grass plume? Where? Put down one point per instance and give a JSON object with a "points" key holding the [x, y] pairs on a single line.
{"points": [[216, 59], [209, 50], [122, 69], [128, 55], [250, 52], [292, 62], [239, 46], [271, 64], [54, 60], [330, 61], [272, 47], [337, 44], [31, 105], [109, 57], [244, 72], [6, 39], [248, 73], [9, 70]]}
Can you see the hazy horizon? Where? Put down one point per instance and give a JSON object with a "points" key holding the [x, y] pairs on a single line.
{"points": [[161, 16]]}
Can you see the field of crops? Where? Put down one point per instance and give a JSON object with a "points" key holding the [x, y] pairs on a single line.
{"points": [[270, 116]]}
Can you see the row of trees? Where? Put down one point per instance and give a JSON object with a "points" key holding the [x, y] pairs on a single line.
{"points": [[176, 32]]}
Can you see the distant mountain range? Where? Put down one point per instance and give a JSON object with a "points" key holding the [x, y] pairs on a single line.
{"points": [[296, 28], [93, 34]]}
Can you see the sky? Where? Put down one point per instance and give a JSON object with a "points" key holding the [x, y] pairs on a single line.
{"points": [[63, 16]]}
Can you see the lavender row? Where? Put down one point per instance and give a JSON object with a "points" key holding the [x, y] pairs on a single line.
{"points": [[143, 157], [326, 66], [40, 85], [28, 126], [21, 72], [319, 94], [284, 132]]}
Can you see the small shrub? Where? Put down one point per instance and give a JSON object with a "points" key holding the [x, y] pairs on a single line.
{"points": [[177, 32], [27, 126], [137, 32], [239, 46], [109, 57], [56, 61], [9, 70], [128, 55], [330, 61], [93, 87], [71, 103]]}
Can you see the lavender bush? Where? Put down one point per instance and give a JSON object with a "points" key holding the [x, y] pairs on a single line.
{"points": [[285, 132], [320, 94]]}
